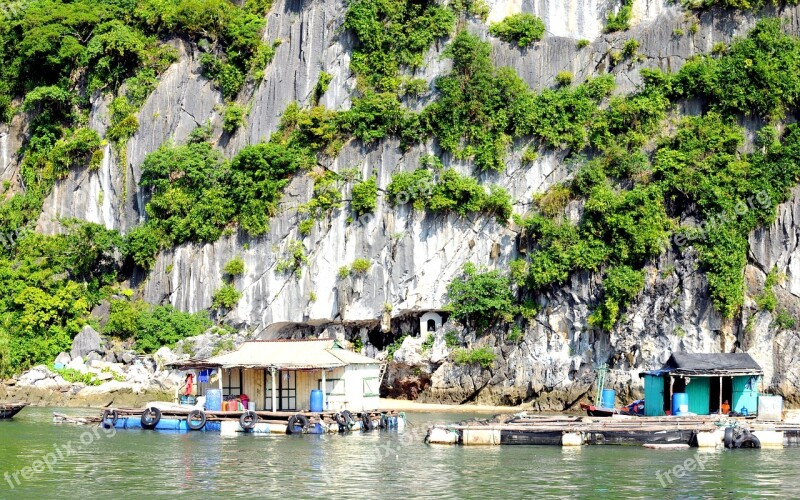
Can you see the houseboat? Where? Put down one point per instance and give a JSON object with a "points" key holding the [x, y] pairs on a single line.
{"points": [[309, 386]]}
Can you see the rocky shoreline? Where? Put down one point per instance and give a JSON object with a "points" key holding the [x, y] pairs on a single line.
{"points": [[98, 372]]}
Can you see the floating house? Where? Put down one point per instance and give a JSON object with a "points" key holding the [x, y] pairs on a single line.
{"points": [[279, 375], [708, 380]]}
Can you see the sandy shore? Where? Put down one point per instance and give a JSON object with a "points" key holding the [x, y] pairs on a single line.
{"points": [[413, 406]]}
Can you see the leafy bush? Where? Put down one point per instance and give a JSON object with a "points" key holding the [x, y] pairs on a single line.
{"points": [[361, 266], [522, 29], [365, 196], [141, 246], [165, 326], [322, 86], [411, 187], [620, 286], [483, 356], [564, 78], [152, 326], [234, 267], [480, 299], [124, 317], [630, 47], [621, 20], [226, 297], [767, 300], [785, 320], [515, 335], [451, 339], [294, 260], [394, 346], [75, 377], [232, 118], [427, 344], [391, 35]]}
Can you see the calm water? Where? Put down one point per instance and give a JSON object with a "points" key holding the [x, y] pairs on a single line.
{"points": [[93, 464]]}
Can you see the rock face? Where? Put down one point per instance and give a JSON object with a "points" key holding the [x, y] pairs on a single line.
{"points": [[131, 382], [414, 256], [88, 341]]}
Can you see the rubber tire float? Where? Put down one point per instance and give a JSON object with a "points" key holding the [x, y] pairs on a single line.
{"points": [[366, 422], [114, 418], [191, 420], [248, 420], [150, 418], [298, 419]]}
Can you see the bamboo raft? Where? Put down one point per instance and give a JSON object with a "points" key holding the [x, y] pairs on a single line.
{"points": [[663, 432]]}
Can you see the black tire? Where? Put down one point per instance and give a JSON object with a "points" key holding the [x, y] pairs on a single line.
{"points": [[248, 420], [728, 440], [192, 423], [114, 418], [366, 422], [295, 420], [150, 418], [349, 417], [340, 419], [747, 441], [384, 421]]}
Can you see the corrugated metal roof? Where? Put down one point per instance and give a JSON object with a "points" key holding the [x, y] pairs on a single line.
{"points": [[290, 355], [709, 364]]}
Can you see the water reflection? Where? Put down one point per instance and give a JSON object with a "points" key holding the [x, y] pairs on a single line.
{"points": [[380, 464]]}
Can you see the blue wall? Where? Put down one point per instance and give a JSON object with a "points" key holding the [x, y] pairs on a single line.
{"points": [[745, 394], [653, 396]]}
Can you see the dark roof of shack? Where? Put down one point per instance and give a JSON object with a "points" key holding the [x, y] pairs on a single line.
{"points": [[709, 364]]}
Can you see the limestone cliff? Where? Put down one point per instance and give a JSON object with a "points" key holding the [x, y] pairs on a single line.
{"points": [[415, 255]]}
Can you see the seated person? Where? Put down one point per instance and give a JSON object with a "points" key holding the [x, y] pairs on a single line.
{"points": [[725, 408]]}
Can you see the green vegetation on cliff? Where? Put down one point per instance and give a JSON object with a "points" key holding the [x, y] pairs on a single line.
{"points": [[636, 177]]}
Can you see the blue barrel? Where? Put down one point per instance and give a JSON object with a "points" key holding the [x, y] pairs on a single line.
{"points": [[316, 400], [680, 403], [213, 400], [609, 398]]}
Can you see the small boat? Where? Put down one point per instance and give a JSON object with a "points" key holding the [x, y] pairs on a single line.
{"points": [[8, 410], [597, 411], [634, 409]]}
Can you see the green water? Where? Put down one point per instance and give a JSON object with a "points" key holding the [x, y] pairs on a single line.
{"points": [[125, 464]]}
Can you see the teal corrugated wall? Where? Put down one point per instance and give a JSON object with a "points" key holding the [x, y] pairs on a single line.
{"points": [[745, 394], [653, 396], [699, 392]]}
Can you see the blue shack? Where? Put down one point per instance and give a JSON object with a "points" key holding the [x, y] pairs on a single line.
{"points": [[709, 381]]}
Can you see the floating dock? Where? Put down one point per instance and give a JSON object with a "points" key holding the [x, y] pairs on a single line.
{"points": [[232, 422], [654, 432]]}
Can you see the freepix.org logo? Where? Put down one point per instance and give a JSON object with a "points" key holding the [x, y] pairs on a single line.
{"points": [[680, 471], [60, 453]]}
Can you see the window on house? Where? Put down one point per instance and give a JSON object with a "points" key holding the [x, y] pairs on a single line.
{"points": [[232, 382]]}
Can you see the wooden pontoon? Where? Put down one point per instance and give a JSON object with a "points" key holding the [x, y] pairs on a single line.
{"points": [[703, 431]]}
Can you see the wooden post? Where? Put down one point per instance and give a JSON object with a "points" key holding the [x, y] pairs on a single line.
{"points": [[274, 391], [324, 384], [671, 381], [720, 395]]}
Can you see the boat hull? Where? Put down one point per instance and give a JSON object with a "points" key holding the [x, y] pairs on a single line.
{"points": [[7, 412]]}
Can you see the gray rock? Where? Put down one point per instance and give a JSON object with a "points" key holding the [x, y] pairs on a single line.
{"points": [[128, 357], [86, 341], [165, 355], [63, 358], [93, 356], [79, 365]]}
